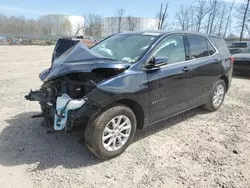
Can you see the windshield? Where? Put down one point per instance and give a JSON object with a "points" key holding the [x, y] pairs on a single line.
{"points": [[246, 50], [125, 47]]}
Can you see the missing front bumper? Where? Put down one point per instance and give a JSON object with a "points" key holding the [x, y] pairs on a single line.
{"points": [[63, 112], [56, 115], [64, 104]]}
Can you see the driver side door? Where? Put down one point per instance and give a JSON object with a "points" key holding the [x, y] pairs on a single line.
{"points": [[170, 85]]}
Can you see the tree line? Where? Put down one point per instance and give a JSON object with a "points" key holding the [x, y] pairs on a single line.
{"points": [[210, 16], [45, 25], [213, 17]]}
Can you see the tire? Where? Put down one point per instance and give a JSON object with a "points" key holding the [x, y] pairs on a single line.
{"points": [[210, 104], [97, 129]]}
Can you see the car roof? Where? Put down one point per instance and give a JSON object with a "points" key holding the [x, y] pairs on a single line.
{"points": [[162, 32]]}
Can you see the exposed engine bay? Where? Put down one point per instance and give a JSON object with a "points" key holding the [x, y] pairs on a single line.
{"points": [[75, 72], [57, 95]]}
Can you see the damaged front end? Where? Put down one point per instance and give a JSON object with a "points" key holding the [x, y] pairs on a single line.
{"points": [[60, 98], [72, 75]]}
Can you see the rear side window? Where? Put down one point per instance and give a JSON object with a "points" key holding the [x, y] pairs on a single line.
{"points": [[210, 47], [198, 46], [221, 45]]}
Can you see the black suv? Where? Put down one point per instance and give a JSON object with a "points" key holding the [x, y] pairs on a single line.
{"points": [[129, 81]]}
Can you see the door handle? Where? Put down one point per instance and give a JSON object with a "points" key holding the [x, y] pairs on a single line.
{"points": [[186, 69], [216, 61]]}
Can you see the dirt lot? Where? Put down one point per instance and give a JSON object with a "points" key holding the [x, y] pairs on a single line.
{"points": [[195, 149]]}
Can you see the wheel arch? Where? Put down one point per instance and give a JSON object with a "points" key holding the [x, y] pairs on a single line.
{"points": [[225, 79], [134, 106], [137, 109]]}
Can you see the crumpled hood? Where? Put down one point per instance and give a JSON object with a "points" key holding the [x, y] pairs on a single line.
{"points": [[77, 59]]}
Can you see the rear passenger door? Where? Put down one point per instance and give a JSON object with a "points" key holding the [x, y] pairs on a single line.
{"points": [[204, 58]]}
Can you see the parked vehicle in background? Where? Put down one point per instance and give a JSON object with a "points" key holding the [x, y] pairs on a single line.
{"points": [[4, 40], [88, 41], [242, 61], [130, 81], [236, 47]]}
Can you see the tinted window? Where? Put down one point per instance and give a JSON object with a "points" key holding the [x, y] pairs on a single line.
{"points": [[221, 45], [210, 47], [239, 45], [198, 46], [172, 48]]}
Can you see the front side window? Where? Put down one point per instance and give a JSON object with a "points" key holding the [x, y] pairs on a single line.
{"points": [[125, 47], [172, 48], [198, 46]]}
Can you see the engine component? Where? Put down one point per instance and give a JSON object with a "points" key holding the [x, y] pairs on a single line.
{"points": [[63, 105]]}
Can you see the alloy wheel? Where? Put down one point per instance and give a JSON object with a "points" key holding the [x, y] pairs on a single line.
{"points": [[218, 95], [116, 133]]}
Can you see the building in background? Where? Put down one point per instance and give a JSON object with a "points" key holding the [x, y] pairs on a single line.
{"points": [[111, 24]]}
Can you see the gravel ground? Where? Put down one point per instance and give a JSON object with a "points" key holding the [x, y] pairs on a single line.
{"points": [[194, 149]]}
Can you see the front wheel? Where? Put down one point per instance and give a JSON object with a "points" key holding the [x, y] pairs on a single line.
{"points": [[217, 96], [111, 132]]}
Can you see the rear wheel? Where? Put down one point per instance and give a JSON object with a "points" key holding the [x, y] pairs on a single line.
{"points": [[217, 96], [111, 132]]}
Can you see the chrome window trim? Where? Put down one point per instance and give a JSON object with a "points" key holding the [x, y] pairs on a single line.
{"points": [[216, 50]]}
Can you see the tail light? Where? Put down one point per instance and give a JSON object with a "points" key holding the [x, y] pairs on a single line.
{"points": [[232, 59]]}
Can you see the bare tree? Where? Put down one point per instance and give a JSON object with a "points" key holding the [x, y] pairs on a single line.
{"points": [[46, 24], [228, 19], [242, 16], [222, 18], [132, 23], [248, 29], [201, 11], [162, 15], [191, 14], [232, 36], [79, 27], [120, 13], [214, 8], [31, 27], [3, 23], [93, 25], [183, 18], [1, 19], [67, 27]]}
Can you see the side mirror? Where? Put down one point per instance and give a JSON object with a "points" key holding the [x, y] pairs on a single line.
{"points": [[160, 61], [151, 62], [155, 63]]}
